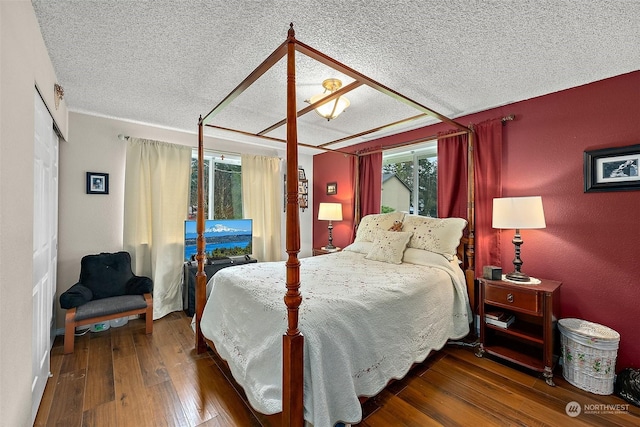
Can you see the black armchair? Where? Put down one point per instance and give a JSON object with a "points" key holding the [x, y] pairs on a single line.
{"points": [[107, 289]]}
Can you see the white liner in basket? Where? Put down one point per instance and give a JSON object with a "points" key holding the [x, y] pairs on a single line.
{"points": [[589, 352]]}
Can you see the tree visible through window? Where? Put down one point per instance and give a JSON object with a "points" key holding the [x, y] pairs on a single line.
{"points": [[410, 181], [223, 187]]}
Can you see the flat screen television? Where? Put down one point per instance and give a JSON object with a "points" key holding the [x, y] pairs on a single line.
{"points": [[224, 238]]}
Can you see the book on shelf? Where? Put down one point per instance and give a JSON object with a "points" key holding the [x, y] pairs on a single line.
{"points": [[504, 322], [496, 315]]}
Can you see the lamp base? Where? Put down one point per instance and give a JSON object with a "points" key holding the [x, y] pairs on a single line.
{"points": [[518, 276]]}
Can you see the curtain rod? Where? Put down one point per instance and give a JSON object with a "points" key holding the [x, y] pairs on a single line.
{"points": [[435, 137], [123, 137], [504, 120]]}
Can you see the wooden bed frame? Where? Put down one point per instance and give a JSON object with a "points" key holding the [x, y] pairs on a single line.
{"points": [[293, 340]]}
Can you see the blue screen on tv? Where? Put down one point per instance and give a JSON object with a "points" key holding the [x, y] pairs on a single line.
{"points": [[223, 237]]}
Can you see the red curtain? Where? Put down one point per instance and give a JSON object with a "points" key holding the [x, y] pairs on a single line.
{"points": [[488, 185], [370, 183], [368, 168], [452, 176], [452, 185]]}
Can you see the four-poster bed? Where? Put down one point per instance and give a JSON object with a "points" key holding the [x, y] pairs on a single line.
{"points": [[293, 342]]}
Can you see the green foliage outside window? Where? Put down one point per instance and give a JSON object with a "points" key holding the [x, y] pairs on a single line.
{"points": [[427, 187], [227, 190]]}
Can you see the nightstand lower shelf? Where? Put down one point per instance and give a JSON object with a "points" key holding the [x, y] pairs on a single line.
{"points": [[521, 330], [526, 355], [533, 309]]}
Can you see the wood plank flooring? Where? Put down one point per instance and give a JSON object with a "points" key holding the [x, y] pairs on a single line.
{"points": [[122, 377]]}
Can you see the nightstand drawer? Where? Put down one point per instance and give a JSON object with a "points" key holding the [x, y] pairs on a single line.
{"points": [[514, 298]]}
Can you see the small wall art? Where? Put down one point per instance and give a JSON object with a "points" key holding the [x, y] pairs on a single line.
{"points": [[332, 188], [97, 183]]}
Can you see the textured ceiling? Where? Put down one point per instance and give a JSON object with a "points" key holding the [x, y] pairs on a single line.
{"points": [[167, 62]]}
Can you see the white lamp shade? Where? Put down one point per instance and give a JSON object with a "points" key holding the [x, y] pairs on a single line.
{"points": [[330, 211], [518, 212], [325, 110]]}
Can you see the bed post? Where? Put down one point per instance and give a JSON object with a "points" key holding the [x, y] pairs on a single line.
{"points": [[470, 271], [292, 341], [201, 275]]}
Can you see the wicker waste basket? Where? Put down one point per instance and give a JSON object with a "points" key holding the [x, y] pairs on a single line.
{"points": [[589, 352]]}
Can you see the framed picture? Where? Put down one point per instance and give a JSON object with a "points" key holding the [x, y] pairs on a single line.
{"points": [[332, 188], [301, 174], [612, 169], [97, 183]]}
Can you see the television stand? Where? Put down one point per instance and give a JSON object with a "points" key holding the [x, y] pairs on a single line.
{"points": [[189, 277]]}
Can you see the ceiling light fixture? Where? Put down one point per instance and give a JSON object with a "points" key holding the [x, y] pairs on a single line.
{"points": [[334, 108]]}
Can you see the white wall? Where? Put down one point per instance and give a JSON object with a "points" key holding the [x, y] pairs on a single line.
{"points": [[92, 223], [86, 223], [24, 64]]}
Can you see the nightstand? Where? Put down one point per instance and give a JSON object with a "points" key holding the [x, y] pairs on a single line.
{"points": [[529, 340], [323, 251]]}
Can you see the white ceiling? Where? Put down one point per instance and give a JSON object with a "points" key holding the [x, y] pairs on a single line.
{"points": [[167, 62]]}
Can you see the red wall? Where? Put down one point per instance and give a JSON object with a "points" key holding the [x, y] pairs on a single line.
{"points": [[333, 167], [591, 238]]}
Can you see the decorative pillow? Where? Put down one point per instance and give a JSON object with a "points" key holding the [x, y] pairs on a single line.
{"points": [[439, 235], [389, 246], [370, 224]]}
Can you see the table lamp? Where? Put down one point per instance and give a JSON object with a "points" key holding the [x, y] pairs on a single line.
{"points": [[518, 213], [330, 212]]}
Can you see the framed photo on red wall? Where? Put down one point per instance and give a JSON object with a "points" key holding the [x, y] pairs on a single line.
{"points": [[332, 188], [612, 169]]}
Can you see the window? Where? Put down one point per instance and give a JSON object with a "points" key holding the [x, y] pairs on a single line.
{"points": [[222, 188], [410, 180]]}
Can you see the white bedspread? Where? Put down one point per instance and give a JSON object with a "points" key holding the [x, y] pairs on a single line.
{"points": [[364, 323]]}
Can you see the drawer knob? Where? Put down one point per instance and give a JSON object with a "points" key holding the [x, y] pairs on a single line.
{"points": [[510, 297]]}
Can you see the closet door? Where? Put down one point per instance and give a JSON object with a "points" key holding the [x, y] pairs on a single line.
{"points": [[45, 247]]}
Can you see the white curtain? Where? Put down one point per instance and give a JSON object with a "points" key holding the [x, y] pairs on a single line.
{"points": [[156, 197], [262, 202]]}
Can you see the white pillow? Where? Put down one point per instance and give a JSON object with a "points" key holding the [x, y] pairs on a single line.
{"points": [[389, 246], [422, 257], [439, 235], [359, 247], [370, 224]]}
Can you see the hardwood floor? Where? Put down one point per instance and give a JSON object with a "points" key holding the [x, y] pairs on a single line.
{"points": [[122, 377]]}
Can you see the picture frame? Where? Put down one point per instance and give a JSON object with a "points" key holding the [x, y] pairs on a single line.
{"points": [[301, 174], [97, 183], [612, 169], [332, 188]]}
